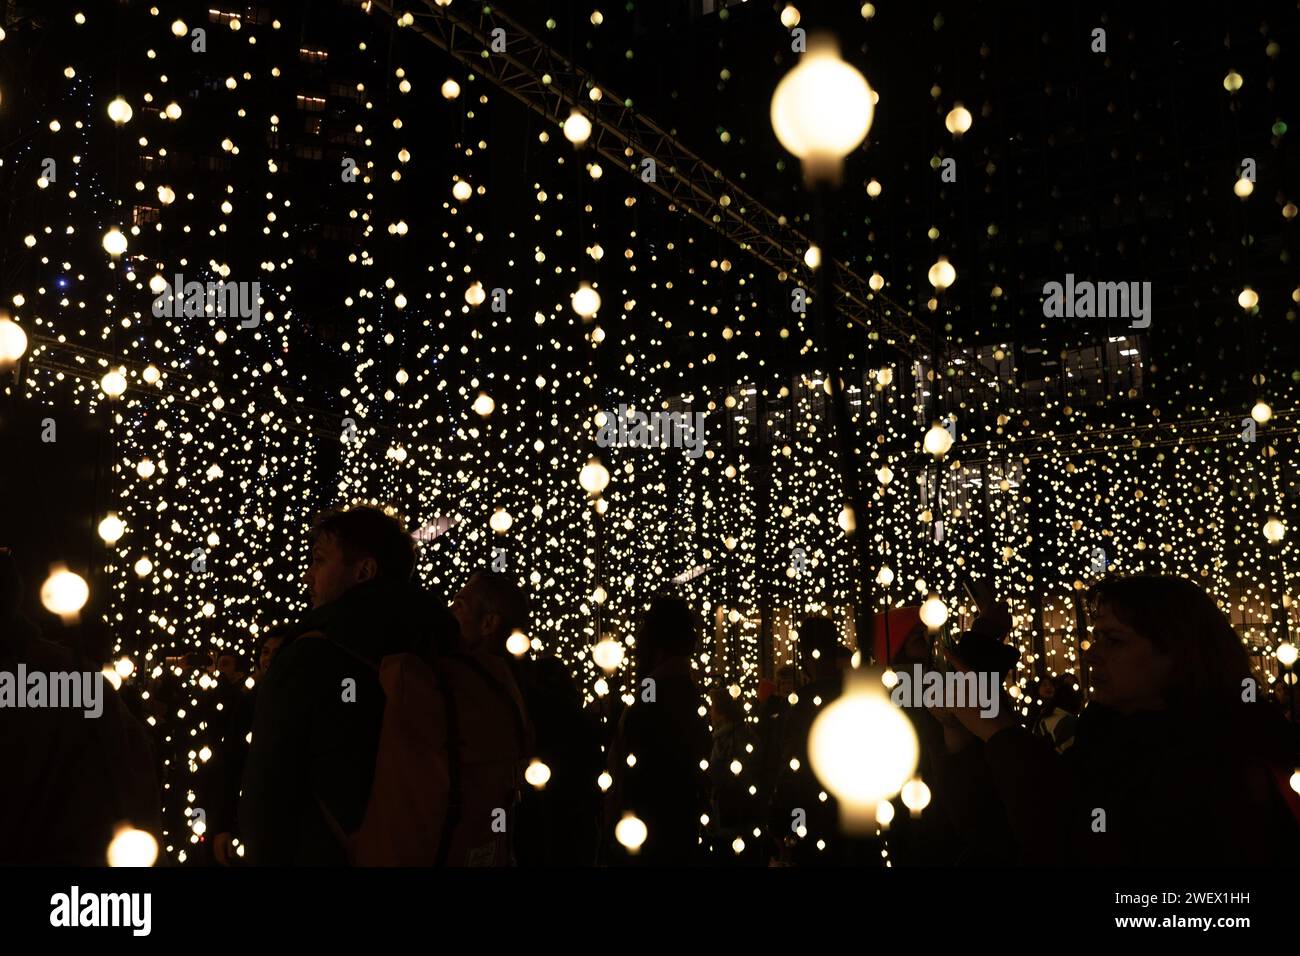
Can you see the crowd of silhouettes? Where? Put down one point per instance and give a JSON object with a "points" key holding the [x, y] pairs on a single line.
{"points": [[388, 727]]}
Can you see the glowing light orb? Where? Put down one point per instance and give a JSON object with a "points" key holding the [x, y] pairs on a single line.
{"points": [[132, 847], [64, 592]]}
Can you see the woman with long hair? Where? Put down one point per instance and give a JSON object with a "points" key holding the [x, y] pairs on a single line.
{"points": [[1179, 757]]}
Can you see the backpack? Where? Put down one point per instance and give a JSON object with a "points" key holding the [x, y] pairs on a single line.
{"points": [[449, 765]]}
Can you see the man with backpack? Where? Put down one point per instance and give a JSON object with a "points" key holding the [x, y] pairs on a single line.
{"points": [[341, 711]]}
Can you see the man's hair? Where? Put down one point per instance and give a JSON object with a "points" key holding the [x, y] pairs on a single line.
{"points": [[669, 627], [500, 594], [364, 531]]}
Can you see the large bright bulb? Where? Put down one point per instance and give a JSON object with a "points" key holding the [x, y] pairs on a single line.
{"points": [[934, 612], [938, 440], [111, 529], [958, 120], [113, 383], [863, 749], [631, 833], [594, 477], [120, 112], [64, 592], [586, 301], [942, 274], [822, 109], [1287, 654], [114, 242], [608, 654], [1262, 413], [131, 847], [1274, 529], [13, 341], [577, 128]]}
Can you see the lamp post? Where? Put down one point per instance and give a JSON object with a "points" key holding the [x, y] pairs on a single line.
{"points": [[821, 111]]}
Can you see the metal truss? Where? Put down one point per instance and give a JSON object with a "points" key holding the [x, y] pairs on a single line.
{"points": [[552, 86]]}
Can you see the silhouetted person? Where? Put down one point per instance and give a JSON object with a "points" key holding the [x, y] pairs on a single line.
{"points": [[1058, 716], [69, 779], [227, 768], [1172, 764], [320, 709], [558, 825], [666, 787]]}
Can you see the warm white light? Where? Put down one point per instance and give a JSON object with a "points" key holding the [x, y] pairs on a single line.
{"points": [[517, 643], [484, 405], [1233, 81], [958, 120], [124, 668], [885, 475], [938, 440], [873, 188], [1274, 529], [822, 109], [594, 477], [604, 781], [132, 847], [631, 832], [586, 301], [450, 90], [577, 128], [144, 567], [877, 282], [114, 242], [501, 521], [942, 274], [1243, 187], [13, 341], [537, 774], [1248, 298], [862, 749], [813, 257], [790, 16], [848, 521], [934, 612], [916, 795], [886, 577], [179, 28], [111, 529], [462, 190], [1262, 413], [145, 469], [608, 654], [119, 111], [151, 374], [884, 813], [64, 592], [475, 295], [1287, 654], [113, 384]]}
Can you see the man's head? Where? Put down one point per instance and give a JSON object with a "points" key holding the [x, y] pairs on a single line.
{"points": [[269, 645], [488, 609], [355, 545], [668, 629]]}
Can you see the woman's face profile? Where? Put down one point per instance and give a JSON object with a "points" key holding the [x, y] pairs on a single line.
{"points": [[1128, 672]]}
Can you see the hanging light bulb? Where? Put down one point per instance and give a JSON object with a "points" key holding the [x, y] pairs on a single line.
{"points": [[958, 120], [822, 109], [537, 774], [517, 643], [1286, 654], [594, 477], [937, 440], [501, 521], [885, 577], [863, 749], [577, 128], [120, 112], [64, 593], [450, 89], [608, 654], [1274, 529], [114, 242], [1262, 413], [13, 341], [113, 384], [916, 795], [586, 301], [934, 612], [942, 274], [484, 405], [631, 833], [111, 529], [1248, 298], [132, 847]]}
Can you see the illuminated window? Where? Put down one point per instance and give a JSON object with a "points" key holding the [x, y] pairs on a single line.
{"points": [[313, 56], [312, 104]]}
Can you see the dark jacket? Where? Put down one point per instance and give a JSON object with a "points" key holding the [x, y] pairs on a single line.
{"points": [[1155, 788], [312, 747], [667, 789], [68, 780]]}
